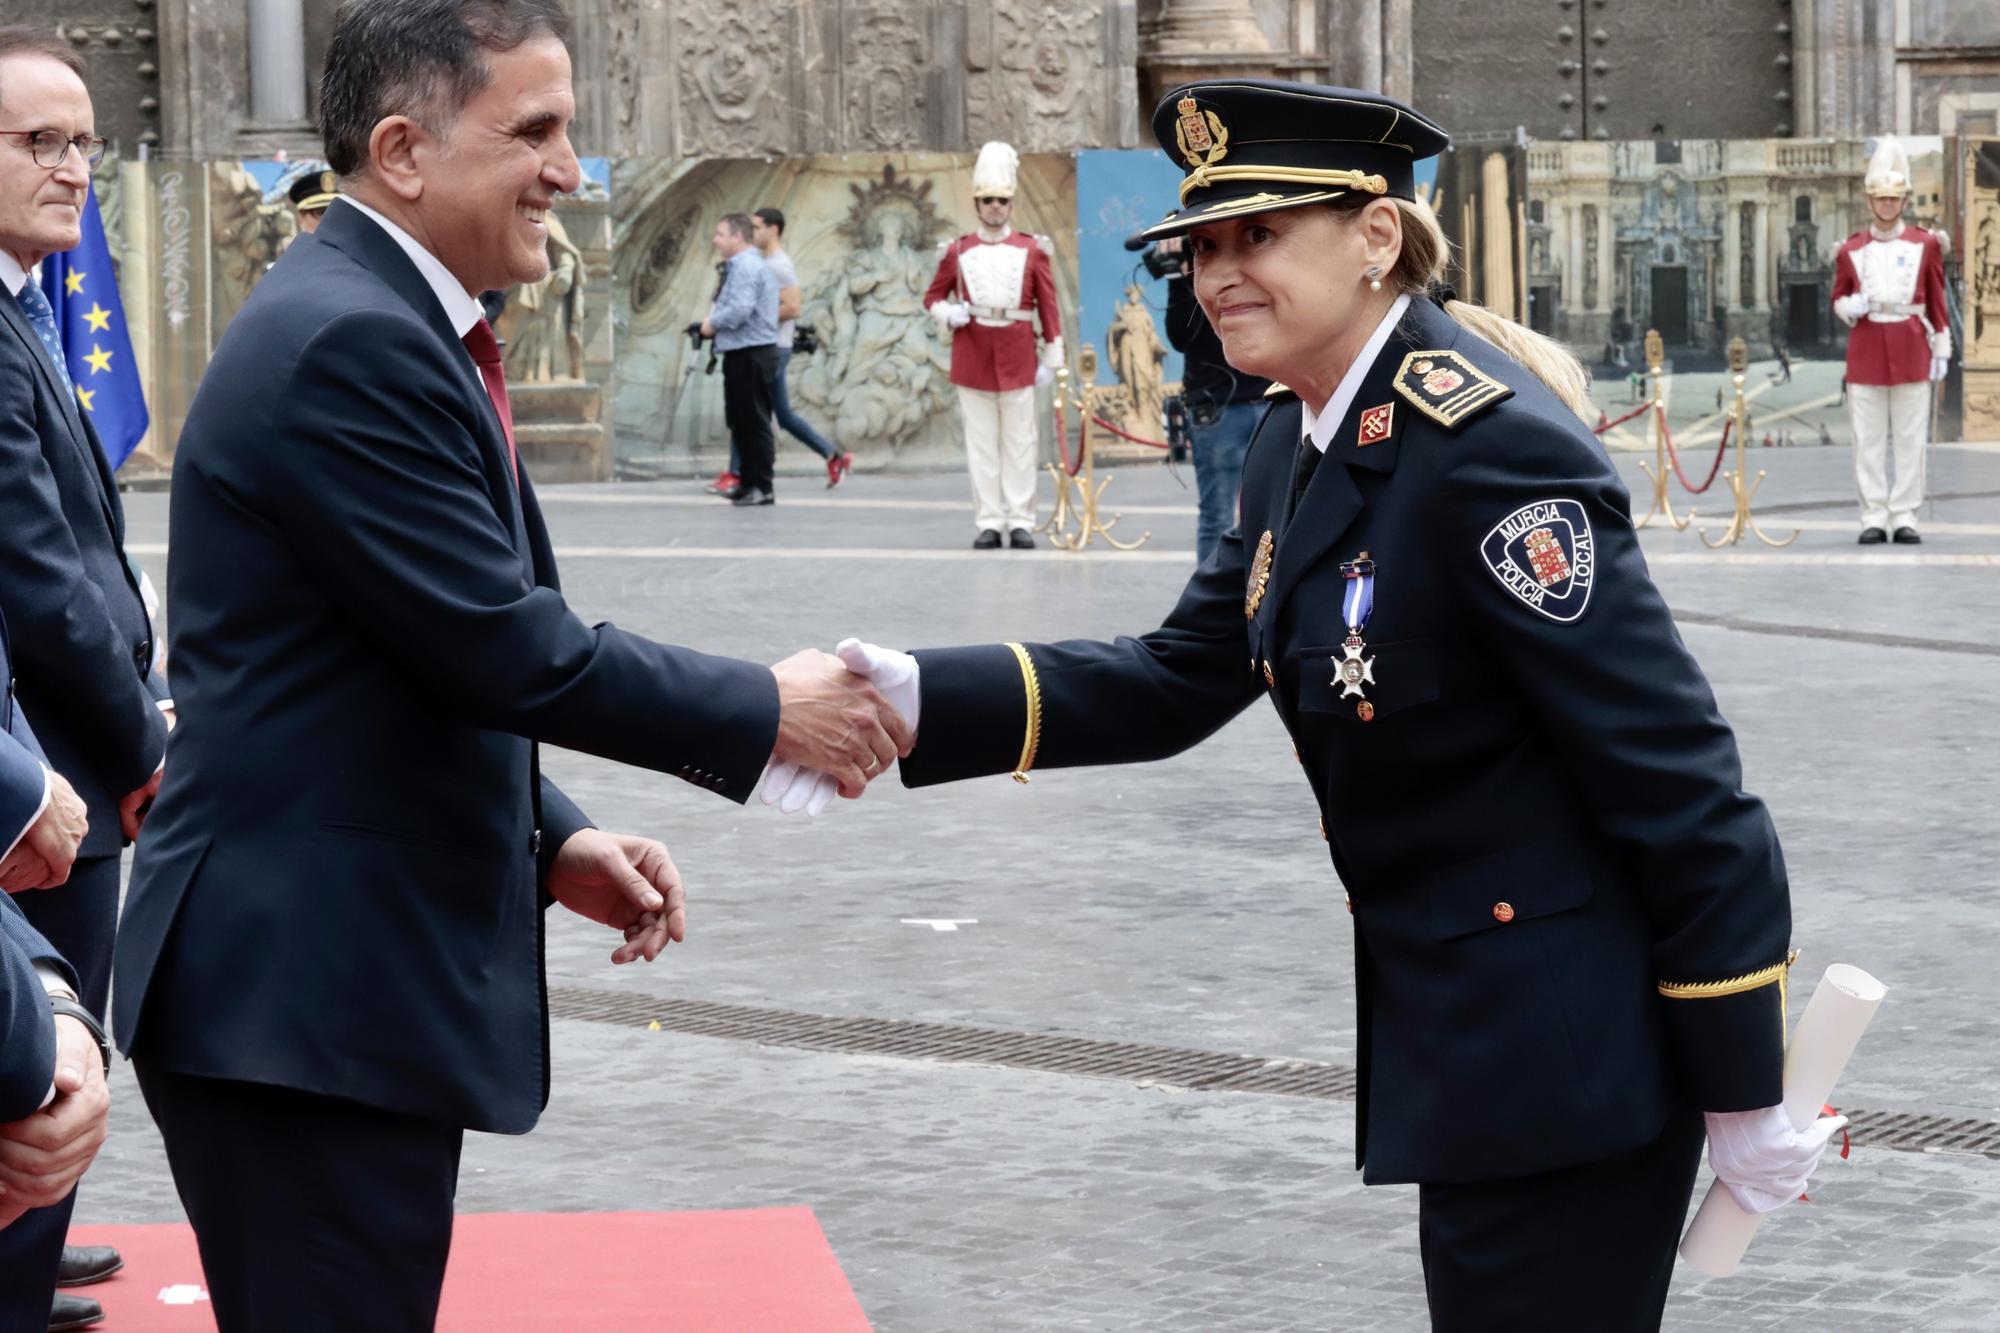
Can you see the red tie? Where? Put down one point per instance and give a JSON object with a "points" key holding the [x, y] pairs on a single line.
{"points": [[485, 349]]}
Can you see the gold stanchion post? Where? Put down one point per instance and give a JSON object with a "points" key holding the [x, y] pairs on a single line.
{"points": [[1656, 360], [1743, 489], [1087, 491]]}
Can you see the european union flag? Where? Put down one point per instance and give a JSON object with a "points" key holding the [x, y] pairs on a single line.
{"points": [[84, 295]]}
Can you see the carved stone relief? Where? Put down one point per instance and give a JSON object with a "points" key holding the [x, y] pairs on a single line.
{"points": [[880, 375], [1589, 257], [623, 66], [247, 235], [884, 72], [1045, 56], [732, 69]]}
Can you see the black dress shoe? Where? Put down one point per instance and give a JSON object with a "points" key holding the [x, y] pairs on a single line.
{"points": [[989, 540], [749, 497], [1021, 539], [74, 1312], [1873, 537], [1907, 537], [84, 1264]]}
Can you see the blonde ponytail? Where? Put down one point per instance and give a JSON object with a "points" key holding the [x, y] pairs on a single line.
{"points": [[1422, 264]]}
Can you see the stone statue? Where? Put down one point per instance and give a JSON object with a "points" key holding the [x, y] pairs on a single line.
{"points": [[880, 375], [1132, 345], [542, 326]]}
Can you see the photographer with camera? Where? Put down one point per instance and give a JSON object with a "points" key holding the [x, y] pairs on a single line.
{"points": [[744, 324], [1223, 405], [767, 233]]}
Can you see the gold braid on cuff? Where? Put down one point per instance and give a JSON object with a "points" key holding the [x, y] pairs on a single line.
{"points": [[1323, 177], [1032, 686], [1733, 985]]}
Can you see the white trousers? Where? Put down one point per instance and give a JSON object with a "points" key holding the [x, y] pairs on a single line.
{"points": [[1888, 417], [1000, 447]]}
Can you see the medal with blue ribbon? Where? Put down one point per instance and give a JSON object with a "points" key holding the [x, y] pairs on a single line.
{"points": [[1351, 670]]}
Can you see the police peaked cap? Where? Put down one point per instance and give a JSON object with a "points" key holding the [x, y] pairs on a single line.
{"points": [[315, 189], [1255, 145]]}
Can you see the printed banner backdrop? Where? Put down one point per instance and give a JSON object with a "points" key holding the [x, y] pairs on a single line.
{"points": [[866, 232], [1707, 240]]}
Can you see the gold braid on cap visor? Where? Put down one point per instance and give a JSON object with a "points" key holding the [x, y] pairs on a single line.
{"points": [[1339, 178]]}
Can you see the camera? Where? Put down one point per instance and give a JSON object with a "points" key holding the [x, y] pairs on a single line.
{"points": [[1160, 264], [695, 349], [805, 339], [1157, 262]]}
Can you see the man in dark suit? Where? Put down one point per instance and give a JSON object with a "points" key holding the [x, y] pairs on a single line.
{"points": [[331, 960], [83, 643], [52, 1095]]}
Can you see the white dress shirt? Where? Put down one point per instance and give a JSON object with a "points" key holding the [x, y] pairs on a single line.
{"points": [[460, 306], [1319, 429]]}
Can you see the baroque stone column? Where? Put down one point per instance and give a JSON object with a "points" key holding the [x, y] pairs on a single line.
{"points": [[277, 61], [1195, 39]]}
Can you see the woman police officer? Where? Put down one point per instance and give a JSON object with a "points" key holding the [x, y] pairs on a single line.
{"points": [[1570, 921]]}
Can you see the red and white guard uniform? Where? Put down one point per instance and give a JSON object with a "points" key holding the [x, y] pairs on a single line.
{"points": [[1888, 287], [990, 289]]}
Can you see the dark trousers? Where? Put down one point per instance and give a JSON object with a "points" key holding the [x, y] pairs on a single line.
{"points": [[29, 1252], [313, 1214], [80, 918], [746, 407], [1587, 1249], [790, 421]]}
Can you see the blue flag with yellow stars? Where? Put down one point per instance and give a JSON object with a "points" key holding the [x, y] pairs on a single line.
{"points": [[83, 292]]}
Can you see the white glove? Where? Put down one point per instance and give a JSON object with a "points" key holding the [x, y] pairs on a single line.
{"points": [[793, 789], [952, 314], [1044, 377], [1941, 345], [893, 674], [1761, 1158], [1052, 353], [1939, 367], [1851, 307]]}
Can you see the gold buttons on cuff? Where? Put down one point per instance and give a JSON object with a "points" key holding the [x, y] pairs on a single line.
{"points": [[1350, 906], [1365, 711], [1503, 912], [1270, 677], [1322, 830]]}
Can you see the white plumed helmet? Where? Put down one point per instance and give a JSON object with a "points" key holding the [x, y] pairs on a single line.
{"points": [[994, 171], [1888, 170]]}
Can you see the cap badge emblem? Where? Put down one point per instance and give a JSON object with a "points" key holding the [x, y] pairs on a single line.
{"points": [[1203, 140]]}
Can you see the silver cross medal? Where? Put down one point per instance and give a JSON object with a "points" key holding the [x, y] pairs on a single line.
{"points": [[1352, 670]]}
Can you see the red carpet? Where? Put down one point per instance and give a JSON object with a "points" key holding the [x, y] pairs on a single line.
{"points": [[759, 1270]]}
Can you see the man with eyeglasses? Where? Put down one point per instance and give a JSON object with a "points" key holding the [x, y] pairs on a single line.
{"points": [[990, 287], [82, 643]]}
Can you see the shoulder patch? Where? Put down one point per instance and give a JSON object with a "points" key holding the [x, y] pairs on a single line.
{"points": [[1447, 388], [1544, 555]]}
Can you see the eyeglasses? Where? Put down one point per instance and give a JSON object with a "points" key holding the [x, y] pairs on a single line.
{"points": [[51, 149], [985, 199]]}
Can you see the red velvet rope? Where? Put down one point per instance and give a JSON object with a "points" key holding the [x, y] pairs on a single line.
{"points": [[1607, 425], [1062, 441], [1105, 425], [1675, 458]]}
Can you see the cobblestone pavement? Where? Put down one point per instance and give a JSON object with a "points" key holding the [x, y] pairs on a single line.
{"points": [[1189, 903]]}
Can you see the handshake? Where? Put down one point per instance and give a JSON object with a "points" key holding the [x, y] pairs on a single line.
{"points": [[842, 720]]}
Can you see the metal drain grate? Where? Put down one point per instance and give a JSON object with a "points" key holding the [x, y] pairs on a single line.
{"points": [[1130, 1062]]}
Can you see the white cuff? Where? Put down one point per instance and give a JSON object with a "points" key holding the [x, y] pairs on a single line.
{"points": [[48, 794]]}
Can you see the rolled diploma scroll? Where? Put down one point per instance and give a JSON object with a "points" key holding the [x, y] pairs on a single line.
{"points": [[1828, 1032]]}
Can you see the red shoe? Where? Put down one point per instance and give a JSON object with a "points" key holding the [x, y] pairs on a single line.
{"points": [[724, 484], [837, 468]]}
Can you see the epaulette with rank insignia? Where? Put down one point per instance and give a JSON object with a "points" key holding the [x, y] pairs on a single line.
{"points": [[1278, 390], [1447, 388]]}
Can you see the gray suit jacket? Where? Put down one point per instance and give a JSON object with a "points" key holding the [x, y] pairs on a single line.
{"points": [[83, 646]]}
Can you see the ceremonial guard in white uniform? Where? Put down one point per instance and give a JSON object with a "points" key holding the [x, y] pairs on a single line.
{"points": [[1888, 287], [991, 286]]}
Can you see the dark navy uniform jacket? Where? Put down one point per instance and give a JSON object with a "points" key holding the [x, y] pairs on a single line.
{"points": [[1569, 918], [339, 887]]}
